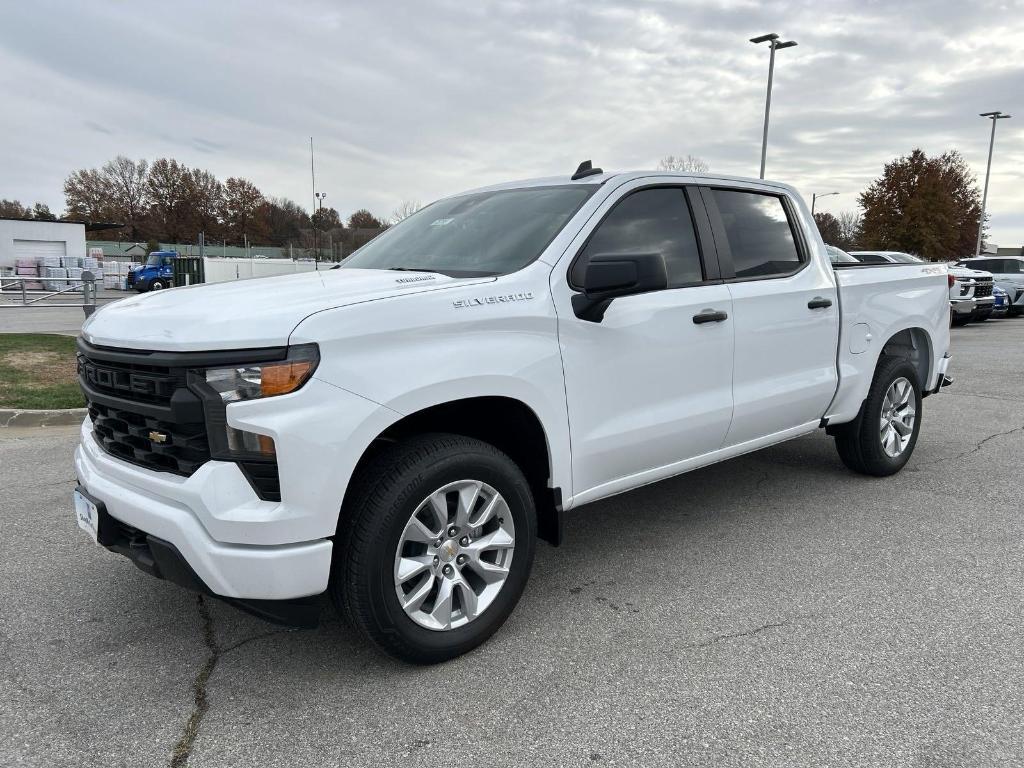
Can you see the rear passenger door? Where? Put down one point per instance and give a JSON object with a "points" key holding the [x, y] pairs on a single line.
{"points": [[785, 310]]}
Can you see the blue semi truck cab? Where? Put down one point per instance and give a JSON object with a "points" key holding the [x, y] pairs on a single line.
{"points": [[157, 273]]}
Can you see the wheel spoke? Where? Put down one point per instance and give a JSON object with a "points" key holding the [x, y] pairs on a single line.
{"points": [[489, 572], [414, 599], [442, 612], [468, 494], [494, 507], [468, 599], [416, 531], [409, 567], [903, 429], [438, 505]]}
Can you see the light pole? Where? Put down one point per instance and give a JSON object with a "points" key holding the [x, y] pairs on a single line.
{"points": [[320, 197], [773, 43], [993, 116], [815, 197]]}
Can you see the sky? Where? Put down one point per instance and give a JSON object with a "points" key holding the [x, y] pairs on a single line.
{"points": [[411, 101]]}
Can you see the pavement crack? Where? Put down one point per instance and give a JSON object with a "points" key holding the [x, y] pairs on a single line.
{"points": [[261, 636], [977, 447], [201, 703]]}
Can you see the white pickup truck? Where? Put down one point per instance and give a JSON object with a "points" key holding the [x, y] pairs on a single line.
{"points": [[399, 432]]}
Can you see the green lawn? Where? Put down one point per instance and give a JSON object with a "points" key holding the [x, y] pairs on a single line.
{"points": [[37, 370]]}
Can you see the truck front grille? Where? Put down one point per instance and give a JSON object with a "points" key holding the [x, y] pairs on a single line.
{"points": [[150, 442], [144, 411], [983, 289]]}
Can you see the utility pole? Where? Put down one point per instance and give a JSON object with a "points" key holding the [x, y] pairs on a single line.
{"points": [[773, 43], [993, 116], [312, 174]]}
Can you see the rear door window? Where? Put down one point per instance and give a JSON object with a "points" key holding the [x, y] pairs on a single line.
{"points": [[759, 233]]}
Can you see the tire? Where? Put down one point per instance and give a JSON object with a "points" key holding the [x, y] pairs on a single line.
{"points": [[860, 443], [157, 285], [388, 490]]}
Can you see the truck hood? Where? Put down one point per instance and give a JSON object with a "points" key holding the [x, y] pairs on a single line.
{"points": [[241, 314]]}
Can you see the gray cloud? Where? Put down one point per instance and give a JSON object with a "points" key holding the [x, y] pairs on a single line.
{"points": [[413, 100]]}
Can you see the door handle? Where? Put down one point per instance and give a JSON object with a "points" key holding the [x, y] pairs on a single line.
{"points": [[709, 316], [819, 302]]}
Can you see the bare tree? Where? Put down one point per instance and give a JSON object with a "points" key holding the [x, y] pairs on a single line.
{"points": [[406, 209], [849, 229], [87, 195], [126, 184], [688, 164]]}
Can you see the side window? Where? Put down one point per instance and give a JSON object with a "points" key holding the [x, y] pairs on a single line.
{"points": [[759, 233], [648, 221]]}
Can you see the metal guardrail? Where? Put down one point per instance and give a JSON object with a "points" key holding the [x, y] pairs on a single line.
{"points": [[86, 284]]}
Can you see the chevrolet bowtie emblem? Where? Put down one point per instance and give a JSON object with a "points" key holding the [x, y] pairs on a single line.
{"points": [[157, 437]]}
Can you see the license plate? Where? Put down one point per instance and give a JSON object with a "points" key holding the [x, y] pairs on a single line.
{"points": [[88, 516]]}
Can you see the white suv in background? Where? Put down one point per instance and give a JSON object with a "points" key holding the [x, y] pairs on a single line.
{"points": [[1008, 273]]}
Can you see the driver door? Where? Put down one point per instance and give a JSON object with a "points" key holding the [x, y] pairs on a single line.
{"points": [[649, 386]]}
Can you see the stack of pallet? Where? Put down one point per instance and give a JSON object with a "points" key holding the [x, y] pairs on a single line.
{"points": [[54, 272], [28, 268]]}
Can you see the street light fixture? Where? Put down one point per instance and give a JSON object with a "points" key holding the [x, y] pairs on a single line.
{"points": [[993, 116], [815, 197], [773, 43]]}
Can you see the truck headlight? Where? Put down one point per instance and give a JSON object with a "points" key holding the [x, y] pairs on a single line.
{"points": [[237, 383], [251, 382]]}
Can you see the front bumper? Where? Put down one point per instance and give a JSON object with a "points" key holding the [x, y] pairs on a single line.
{"points": [[168, 508], [962, 307]]}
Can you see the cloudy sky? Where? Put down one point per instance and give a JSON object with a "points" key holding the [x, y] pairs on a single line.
{"points": [[415, 100]]}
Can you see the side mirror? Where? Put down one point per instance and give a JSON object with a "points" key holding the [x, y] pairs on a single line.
{"points": [[610, 276]]}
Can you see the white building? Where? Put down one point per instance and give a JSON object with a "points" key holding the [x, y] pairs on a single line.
{"points": [[21, 239]]}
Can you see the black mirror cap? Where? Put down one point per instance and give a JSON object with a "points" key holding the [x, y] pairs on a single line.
{"points": [[609, 276]]}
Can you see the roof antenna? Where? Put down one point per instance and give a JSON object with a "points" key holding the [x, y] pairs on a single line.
{"points": [[585, 169]]}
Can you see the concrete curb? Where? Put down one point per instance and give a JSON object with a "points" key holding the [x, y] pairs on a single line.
{"points": [[13, 417]]}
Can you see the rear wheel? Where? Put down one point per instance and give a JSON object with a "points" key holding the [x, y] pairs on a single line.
{"points": [[434, 547], [881, 439]]}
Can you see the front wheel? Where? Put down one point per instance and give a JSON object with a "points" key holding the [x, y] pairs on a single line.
{"points": [[881, 439], [434, 546], [157, 285]]}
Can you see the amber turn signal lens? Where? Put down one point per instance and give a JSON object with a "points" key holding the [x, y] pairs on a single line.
{"points": [[282, 378]]}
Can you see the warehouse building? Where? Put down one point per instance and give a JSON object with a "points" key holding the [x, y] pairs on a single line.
{"points": [[32, 240]]}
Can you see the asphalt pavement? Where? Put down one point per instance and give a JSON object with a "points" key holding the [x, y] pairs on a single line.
{"points": [[774, 610]]}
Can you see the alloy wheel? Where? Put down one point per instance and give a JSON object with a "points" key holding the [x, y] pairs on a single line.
{"points": [[454, 555], [898, 415]]}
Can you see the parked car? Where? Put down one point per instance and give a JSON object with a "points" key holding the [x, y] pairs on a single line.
{"points": [[1008, 273], [397, 432], [972, 288], [886, 257], [1000, 302], [839, 256]]}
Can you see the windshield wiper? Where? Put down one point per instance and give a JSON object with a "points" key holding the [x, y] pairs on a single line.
{"points": [[448, 272]]}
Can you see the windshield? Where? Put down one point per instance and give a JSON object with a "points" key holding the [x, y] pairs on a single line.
{"points": [[487, 233], [153, 260]]}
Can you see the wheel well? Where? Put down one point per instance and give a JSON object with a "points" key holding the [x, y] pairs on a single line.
{"points": [[913, 345], [510, 426]]}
